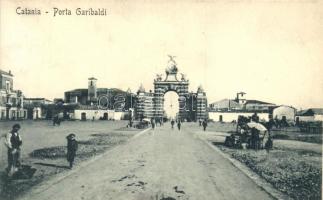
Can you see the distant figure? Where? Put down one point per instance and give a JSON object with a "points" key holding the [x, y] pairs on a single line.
{"points": [[204, 123], [172, 123], [254, 139], [269, 144], [179, 125], [13, 143], [56, 121], [153, 124], [71, 149], [200, 122], [255, 117]]}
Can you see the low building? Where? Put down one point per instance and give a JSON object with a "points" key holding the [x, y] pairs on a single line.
{"points": [[284, 113], [225, 105], [311, 114], [229, 116], [103, 98], [11, 101], [258, 106], [37, 108], [240, 103], [92, 114], [228, 110]]}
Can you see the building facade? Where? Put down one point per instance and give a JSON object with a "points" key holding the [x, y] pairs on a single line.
{"points": [[286, 113], [311, 114], [37, 108], [11, 101], [241, 104], [100, 98], [228, 110], [144, 104]]}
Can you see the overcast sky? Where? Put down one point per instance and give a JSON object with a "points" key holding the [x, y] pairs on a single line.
{"points": [[270, 50]]}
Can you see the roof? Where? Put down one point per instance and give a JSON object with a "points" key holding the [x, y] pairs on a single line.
{"points": [[78, 90], [200, 89], [233, 102], [85, 90], [318, 111], [36, 99], [141, 88], [310, 112], [225, 101], [92, 78], [110, 89], [6, 73], [257, 102]]}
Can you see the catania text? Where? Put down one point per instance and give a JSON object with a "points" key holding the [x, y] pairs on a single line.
{"points": [[65, 11]]}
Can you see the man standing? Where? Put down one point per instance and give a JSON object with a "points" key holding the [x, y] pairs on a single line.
{"points": [[13, 143], [153, 124], [179, 125], [204, 123], [71, 148], [172, 123]]}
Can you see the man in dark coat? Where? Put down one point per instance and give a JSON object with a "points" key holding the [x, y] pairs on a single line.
{"points": [[172, 123], [204, 123], [13, 143], [71, 149], [179, 125]]}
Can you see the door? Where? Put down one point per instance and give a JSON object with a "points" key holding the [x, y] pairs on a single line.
{"points": [[83, 116], [105, 116]]}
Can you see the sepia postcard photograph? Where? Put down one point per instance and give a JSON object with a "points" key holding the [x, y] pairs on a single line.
{"points": [[161, 99]]}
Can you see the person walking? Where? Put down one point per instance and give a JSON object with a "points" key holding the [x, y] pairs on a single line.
{"points": [[71, 149], [204, 123], [13, 143], [172, 123], [179, 125]]}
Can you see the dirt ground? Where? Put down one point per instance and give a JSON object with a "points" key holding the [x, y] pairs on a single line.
{"points": [[293, 167], [44, 149], [160, 164]]}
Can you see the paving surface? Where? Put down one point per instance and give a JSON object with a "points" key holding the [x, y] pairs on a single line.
{"points": [[160, 164]]}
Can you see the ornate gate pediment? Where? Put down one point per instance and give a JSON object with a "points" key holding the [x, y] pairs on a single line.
{"points": [[191, 105]]}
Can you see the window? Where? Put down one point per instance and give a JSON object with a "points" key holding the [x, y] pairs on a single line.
{"points": [[7, 85]]}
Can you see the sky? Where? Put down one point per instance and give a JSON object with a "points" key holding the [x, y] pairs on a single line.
{"points": [[270, 49]]}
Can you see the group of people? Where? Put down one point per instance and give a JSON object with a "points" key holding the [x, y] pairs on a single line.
{"points": [[154, 122], [179, 123], [13, 142]]}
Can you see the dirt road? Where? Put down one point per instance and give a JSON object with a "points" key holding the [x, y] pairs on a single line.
{"points": [[160, 164]]}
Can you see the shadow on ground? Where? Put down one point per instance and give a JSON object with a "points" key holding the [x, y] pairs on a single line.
{"points": [[52, 165]]}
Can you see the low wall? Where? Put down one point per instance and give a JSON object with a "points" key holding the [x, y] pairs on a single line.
{"points": [[310, 118], [97, 114], [230, 116]]}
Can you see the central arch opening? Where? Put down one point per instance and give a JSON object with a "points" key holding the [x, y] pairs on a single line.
{"points": [[171, 104]]}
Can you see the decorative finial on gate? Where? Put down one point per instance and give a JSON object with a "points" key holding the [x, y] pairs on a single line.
{"points": [[172, 69]]}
